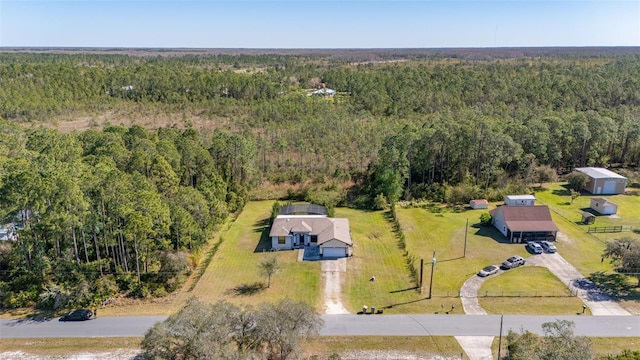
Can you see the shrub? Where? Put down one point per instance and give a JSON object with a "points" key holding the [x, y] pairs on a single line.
{"points": [[485, 219], [380, 202], [140, 291]]}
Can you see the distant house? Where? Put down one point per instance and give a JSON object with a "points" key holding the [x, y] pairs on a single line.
{"points": [[524, 223], [323, 92], [331, 235], [603, 206], [479, 204], [603, 181], [520, 200]]}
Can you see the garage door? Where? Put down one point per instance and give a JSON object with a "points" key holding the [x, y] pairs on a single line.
{"points": [[609, 187], [333, 252]]}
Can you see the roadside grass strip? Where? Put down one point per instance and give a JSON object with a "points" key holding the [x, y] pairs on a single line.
{"points": [[528, 290]]}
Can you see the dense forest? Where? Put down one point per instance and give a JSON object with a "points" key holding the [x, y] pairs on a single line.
{"points": [[126, 208]]}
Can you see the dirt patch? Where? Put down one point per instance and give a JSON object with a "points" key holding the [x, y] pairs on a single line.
{"points": [[563, 238], [116, 355]]}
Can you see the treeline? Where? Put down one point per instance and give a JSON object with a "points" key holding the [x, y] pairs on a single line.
{"points": [[123, 210], [461, 119]]}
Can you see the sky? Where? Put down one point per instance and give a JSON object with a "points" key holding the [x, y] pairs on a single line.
{"points": [[296, 24]]}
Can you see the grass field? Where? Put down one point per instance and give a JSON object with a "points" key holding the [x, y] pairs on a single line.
{"points": [[376, 253], [234, 273], [584, 250], [538, 292]]}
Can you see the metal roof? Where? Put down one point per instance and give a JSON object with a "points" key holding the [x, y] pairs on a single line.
{"points": [[599, 173], [520, 197], [527, 218]]}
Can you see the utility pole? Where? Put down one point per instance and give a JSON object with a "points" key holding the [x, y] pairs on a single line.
{"points": [[421, 271], [466, 228], [500, 338], [433, 264]]}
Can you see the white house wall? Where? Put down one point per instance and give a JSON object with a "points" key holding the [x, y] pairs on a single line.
{"points": [[499, 223]]}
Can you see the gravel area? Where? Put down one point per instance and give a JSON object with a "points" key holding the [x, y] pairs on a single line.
{"points": [[332, 271]]}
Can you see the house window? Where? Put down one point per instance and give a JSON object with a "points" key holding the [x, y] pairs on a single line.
{"points": [[314, 238], [282, 240]]}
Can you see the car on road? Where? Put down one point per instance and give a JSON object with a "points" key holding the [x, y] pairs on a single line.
{"points": [[534, 248], [548, 247], [513, 262], [488, 270], [77, 315]]}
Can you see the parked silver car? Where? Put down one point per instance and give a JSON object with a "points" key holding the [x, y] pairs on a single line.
{"points": [[548, 247], [488, 270], [534, 247]]}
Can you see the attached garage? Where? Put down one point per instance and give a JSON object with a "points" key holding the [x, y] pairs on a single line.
{"points": [[328, 252]]}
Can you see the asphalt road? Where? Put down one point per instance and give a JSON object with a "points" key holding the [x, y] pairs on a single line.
{"points": [[342, 325]]}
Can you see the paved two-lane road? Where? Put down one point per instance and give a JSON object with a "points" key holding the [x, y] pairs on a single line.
{"points": [[343, 325]]}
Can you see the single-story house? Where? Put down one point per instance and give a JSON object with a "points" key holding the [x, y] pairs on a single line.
{"points": [[331, 235], [603, 206], [479, 204], [603, 181], [520, 200], [524, 223]]}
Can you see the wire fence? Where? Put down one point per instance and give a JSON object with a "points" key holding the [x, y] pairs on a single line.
{"points": [[512, 293], [608, 229]]}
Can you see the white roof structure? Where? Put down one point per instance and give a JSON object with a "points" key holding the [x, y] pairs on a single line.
{"points": [[324, 91], [520, 197], [599, 173]]}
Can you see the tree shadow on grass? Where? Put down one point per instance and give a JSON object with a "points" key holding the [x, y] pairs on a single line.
{"points": [[615, 285], [403, 290], [247, 289], [38, 316], [565, 190], [263, 227], [404, 303]]}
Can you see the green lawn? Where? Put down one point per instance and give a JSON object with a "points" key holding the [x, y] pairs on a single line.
{"points": [[233, 273], [444, 233], [376, 253], [528, 290]]}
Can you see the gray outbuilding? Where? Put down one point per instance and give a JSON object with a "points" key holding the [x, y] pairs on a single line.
{"points": [[603, 181]]}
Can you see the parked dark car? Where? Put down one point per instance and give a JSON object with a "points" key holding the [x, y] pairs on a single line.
{"points": [[548, 247], [78, 315], [513, 262]]}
